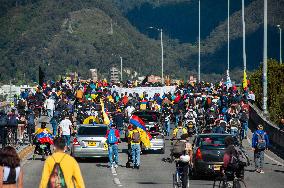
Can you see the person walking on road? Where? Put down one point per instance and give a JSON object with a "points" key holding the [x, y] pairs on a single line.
{"points": [[65, 127], [113, 137], [11, 173], [260, 143], [49, 105], [72, 176], [3, 125], [135, 141], [30, 124]]}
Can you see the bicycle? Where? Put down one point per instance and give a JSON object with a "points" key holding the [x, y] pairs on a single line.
{"points": [[223, 181], [177, 176]]}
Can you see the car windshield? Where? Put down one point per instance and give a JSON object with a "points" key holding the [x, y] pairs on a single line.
{"points": [[212, 141], [96, 131], [148, 116]]}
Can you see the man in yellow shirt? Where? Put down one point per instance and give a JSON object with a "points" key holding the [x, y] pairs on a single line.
{"points": [[180, 130], [68, 164], [135, 140]]}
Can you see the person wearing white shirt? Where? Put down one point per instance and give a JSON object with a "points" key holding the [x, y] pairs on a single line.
{"points": [[129, 110], [49, 105], [65, 127]]}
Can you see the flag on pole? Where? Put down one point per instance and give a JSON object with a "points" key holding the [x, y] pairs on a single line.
{"points": [[245, 81], [144, 134]]}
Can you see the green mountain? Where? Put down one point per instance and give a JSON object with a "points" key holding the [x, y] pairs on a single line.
{"points": [[64, 36], [76, 35]]}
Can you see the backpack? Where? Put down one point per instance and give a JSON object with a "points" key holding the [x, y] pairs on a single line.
{"points": [[56, 178], [179, 133], [136, 137], [13, 121], [179, 148], [244, 117], [238, 159], [261, 143], [31, 119], [112, 139], [235, 123], [3, 121]]}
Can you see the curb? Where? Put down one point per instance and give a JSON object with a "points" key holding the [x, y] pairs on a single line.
{"points": [[25, 152]]}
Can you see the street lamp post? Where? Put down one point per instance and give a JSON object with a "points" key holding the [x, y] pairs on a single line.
{"points": [[265, 60], [228, 58], [120, 68], [280, 44], [244, 35], [199, 41], [162, 51]]}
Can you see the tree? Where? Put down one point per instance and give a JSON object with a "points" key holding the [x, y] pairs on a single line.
{"points": [[275, 89]]}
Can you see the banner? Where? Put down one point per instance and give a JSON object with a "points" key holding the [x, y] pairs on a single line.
{"points": [[151, 91]]}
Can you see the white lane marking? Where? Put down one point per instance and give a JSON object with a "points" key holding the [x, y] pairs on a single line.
{"points": [[271, 158], [115, 179], [113, 171], [117, 182]]}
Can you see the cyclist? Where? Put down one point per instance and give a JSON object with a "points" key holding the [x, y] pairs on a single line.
{"points": [[232, 163], [183, 158], [179, 131]]}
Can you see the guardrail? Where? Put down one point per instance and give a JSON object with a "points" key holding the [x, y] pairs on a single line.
{"points": [[276, 136]]}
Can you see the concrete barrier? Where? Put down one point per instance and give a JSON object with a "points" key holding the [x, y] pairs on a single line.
{"points": [[276, 136]]}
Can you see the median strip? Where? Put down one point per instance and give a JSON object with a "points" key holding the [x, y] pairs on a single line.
{"points": [[25, 152]]}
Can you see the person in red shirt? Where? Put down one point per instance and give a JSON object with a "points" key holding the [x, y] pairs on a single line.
{"points": [[113, 139]]}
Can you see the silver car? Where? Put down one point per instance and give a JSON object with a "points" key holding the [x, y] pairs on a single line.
{"points": [[90, 142]]}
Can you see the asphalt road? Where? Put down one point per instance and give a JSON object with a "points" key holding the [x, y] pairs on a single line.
{"points": [[154, 173]]}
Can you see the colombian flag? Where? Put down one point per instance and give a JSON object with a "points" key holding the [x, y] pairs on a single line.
{"points": [[245, 81], [145, 136]]}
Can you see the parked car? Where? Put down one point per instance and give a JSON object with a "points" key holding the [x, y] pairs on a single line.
{"points": [[90, 142], [208, 153]]}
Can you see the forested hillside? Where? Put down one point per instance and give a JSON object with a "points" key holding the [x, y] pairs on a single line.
{"points": [[75, 35]]}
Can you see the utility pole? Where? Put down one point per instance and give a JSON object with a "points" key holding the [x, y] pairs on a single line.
{"points": [[199, 41], [162, 49], [228, 58], [244, 35], [265, 60], [280, 44], [121, 68]]}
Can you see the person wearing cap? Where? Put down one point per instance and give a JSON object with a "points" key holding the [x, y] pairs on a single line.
{"points": [[260, 143]]}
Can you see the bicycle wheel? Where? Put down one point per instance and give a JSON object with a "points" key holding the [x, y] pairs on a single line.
{"points": [[236, 184], [174, 181]]}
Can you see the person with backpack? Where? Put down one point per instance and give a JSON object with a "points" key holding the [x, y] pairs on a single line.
{"points": [[30, 124], [13, 123], [11, 173], [60, 169], [113, 137], [244, 121], [135, 140], [260, 143], [3, 124], [234, 158], [180, 130], [182, 152], [235, 125]]}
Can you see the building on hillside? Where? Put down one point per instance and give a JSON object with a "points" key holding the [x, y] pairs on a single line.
{"points": [[94, 74], [114, 74], [154, 79], [192, 79]]}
